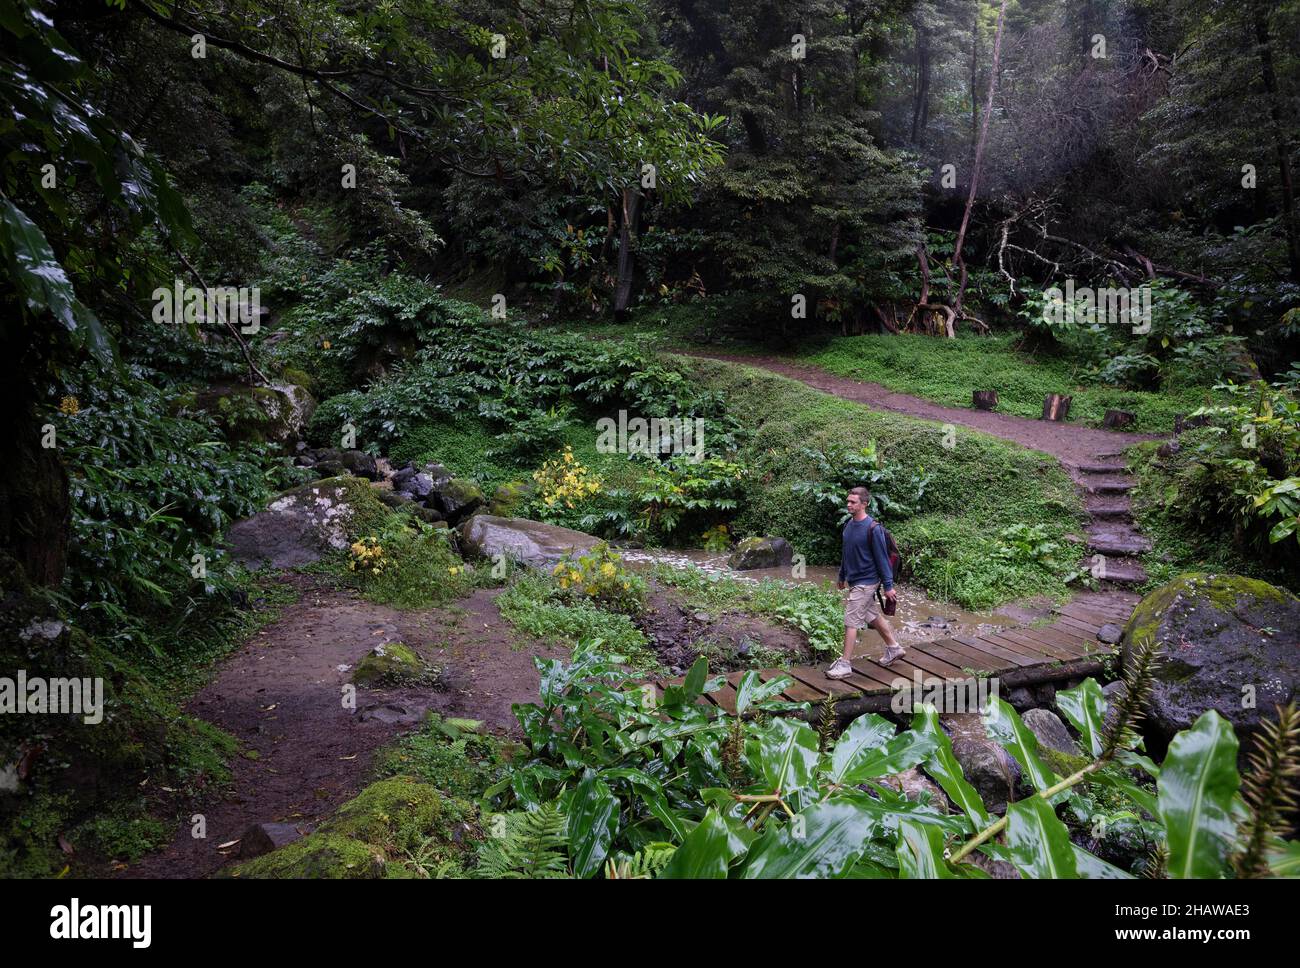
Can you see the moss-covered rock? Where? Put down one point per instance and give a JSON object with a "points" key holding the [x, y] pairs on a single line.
{"points": [[278, 412], [393, 664], [761, 553], [400, 814], [303, 523], [1226, 642], [321, 855], [509, 499], [458, 498]]}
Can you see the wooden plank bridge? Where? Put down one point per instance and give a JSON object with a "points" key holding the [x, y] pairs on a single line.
{"points": [[1065, 648]]}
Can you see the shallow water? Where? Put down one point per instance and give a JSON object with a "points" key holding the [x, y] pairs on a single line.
{"points": [[918, 619]]}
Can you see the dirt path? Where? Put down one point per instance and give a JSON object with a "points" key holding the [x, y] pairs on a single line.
{"points": [[1071, 444], [1092, 457], [302, 751]]}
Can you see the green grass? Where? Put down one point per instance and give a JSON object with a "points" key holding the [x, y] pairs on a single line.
{"points": [[946, 371], [817, 612], [979, 487], [532, 605]]}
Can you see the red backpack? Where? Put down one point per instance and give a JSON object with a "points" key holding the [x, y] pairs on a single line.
{"points": [[891, 548]]}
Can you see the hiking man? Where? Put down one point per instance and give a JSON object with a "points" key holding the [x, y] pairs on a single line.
{"points": [[864, 566]]}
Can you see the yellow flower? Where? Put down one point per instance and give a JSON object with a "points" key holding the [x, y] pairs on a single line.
{"points": [[69, 406], [454, 571]]}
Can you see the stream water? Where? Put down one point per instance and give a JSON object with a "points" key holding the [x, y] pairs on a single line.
{"points": [[919, 619]]}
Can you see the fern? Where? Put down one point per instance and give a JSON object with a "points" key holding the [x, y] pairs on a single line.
{"points": [[643, 865], [526, 845]]}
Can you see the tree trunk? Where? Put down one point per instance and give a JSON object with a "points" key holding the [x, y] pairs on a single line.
{"points": [[1056, 407], [984, 399], [921, 100], [34, 502], [1118, 419], [626, 239], [1260, 17], [979, 158]]}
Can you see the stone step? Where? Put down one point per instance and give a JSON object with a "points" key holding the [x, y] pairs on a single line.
{"points": [[1109, 485], [1108, 505], [1120, 571], [1117, 538]]}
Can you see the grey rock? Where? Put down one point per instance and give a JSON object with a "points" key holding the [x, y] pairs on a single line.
{"points": [[1109, 633], [262, 838], [295, 529], [761, 553], [360, 464], [1050, 731], [915, 785], [1217, 634], [985, 764], [531, 543]]}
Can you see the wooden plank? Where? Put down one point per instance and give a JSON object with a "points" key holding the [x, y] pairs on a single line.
{"points": [[1068, 640], [1013, 645], [930, 664], [725, 698], [1093, 612], [1048, 650], [814, 678], [1012, 659], [955, 657], [796, 691], [1066, 621]]}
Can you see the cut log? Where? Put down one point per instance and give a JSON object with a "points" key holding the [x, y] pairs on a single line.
{"points": [[1183, 422], [984, 399], [1056, 407], [1118, 419]]}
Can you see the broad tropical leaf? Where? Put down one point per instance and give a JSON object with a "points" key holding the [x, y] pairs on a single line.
{"points": [[1197, 792]]}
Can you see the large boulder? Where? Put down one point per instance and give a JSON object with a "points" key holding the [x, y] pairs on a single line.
{"points": [[1227, 643], [530, 543], [278, 412], [302, 524], [989, 768], [761, 553], [456, 499]]}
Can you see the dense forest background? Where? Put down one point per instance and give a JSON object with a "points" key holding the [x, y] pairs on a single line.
{"points": [[434, 197]]}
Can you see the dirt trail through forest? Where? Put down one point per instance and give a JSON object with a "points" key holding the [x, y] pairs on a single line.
{"points": [[303, 752], [1092, 457]]}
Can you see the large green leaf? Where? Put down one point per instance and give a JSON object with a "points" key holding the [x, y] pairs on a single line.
{"points": [[1285, 861], [826, 840], [1003, 724], [920, 852], [593, 819], [1038, 843], [784, 754], [1085, 707], [1197, 787], [1094, 868], [902, 752], [752, 690], [865, 733], [707, 852], [943, 767], [44, 284]]}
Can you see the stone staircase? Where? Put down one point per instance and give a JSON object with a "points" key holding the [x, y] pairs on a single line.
{"points": [[1111, 533]]}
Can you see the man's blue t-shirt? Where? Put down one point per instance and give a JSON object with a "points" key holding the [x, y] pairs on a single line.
{"points": [[863, 561]]}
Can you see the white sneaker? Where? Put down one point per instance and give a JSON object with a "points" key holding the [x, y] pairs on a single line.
{"points": [[892, 653], [840, 669]]}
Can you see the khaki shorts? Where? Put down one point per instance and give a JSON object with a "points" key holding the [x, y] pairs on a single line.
{"points": [[860, 608]]}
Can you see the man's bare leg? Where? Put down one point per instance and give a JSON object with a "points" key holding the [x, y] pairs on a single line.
{"points": [[850, 640], [881, 625]]}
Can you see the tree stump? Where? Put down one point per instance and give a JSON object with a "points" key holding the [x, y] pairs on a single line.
{"points": [[984, 399], [1183, 422], [1118, 419], [1056, 407]]}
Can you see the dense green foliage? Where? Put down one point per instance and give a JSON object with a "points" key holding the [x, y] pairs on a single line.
{"points": [[672, 789]]}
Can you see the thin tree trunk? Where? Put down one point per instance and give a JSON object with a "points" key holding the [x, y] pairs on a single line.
{"points": [[626, 239], [921, 102], [979, 159], [1260, 18], [974, 67]]}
